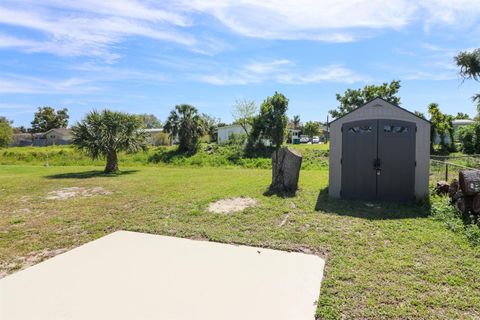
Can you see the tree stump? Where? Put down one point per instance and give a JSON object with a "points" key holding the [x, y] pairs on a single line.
{"points": [[286, 165], [469, 181], [476, 204], [464, 205]]}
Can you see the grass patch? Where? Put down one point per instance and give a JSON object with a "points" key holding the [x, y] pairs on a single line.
{"points": [[444, 211], [314, 157], [382, 260]]}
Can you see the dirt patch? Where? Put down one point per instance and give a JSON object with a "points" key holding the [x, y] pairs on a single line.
{"points": [[232, 205], [28, 261], [67, 193]]}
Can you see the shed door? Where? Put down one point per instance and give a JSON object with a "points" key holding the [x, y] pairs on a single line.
{"points": [[359, 149], [378, 160], [396, 151]]}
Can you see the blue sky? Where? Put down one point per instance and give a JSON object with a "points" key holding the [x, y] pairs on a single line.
{"points": [[147, 56]]}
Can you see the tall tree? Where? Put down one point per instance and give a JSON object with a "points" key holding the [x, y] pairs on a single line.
{"points": [[185, 123], [150, 121], [296, 124], [271, 123], [6, 132], [441, 126], [105, 134], [461, 116], [352, 99], [469, 64], [47, 118], [312, 128], [243, 113]]}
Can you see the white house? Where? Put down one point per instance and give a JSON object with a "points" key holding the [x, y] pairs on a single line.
{"points": [[224, 133]]}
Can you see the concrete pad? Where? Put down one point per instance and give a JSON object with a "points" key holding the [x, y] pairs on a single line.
{"points": [[128, 275]]}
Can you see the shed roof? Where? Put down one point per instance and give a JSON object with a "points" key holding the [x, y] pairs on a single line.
{"points": [[63, 131], [383, 100]]}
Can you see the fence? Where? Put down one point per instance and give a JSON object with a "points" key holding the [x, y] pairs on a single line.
{"points": [[447, 167]]}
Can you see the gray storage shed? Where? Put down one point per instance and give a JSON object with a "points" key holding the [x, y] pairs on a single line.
{"points": [[379, 151]]}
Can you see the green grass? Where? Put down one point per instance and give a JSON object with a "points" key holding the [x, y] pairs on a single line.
{"points": [[382, 261], [314, 157]]}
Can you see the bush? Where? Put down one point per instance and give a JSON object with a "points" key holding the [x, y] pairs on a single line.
{"points": [[469, 138], [161, 139], [442, 210]]}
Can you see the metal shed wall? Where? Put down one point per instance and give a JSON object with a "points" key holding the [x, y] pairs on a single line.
{"points": [[381, 109]]}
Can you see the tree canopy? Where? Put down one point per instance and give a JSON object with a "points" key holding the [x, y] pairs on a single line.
{"points": [[271, 123], [211, 124], [295, 122], [311, 128], [354, 98], [187, 125], [243, 113], [469, 64], [442, 126], [104, 134], [6, 132], [150, 121], [461, 116], [47, 118]]}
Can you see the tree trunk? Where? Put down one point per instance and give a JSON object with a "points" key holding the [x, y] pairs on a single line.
{"points": [[464, 204], [469, 181], [112, 162], [286, 165]]}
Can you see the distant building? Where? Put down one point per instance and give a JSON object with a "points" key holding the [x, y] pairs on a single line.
{"points": [[294, 136], [22, 140], [462, 122], [60, 136], [224, 133]]}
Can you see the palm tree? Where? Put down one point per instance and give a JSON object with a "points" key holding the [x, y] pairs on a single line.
{"points": [[104, 134], [185, 123], [296, 122]]}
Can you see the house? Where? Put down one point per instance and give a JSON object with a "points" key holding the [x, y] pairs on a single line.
{"points": [[294, 136], [379, 151], [224, 133], [59, 136], [22, 140], [462, 122]]}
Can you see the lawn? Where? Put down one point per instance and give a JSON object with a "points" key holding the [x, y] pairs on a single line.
{"points": [[382, 260]]}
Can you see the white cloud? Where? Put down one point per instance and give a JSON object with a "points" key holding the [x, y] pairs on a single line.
{"points": [[91, 28], [332, 20], [97, 28], [280, 71], [10, 84]]}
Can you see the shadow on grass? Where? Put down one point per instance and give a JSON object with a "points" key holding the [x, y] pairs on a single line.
{"points": [[89, 174], [372, 210], [164, 155], [281, 194]]}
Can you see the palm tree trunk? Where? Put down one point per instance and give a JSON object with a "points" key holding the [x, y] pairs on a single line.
{"points": [[112, 162]]}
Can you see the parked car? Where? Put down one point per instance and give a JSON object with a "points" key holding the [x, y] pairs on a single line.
{"points": [[315, 139], [304, 139]]}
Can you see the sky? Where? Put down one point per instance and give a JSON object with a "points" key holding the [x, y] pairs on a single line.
{"points": [[145, 56]]}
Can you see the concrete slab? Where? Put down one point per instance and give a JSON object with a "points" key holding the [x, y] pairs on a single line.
{"points": [[128, 275]]}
